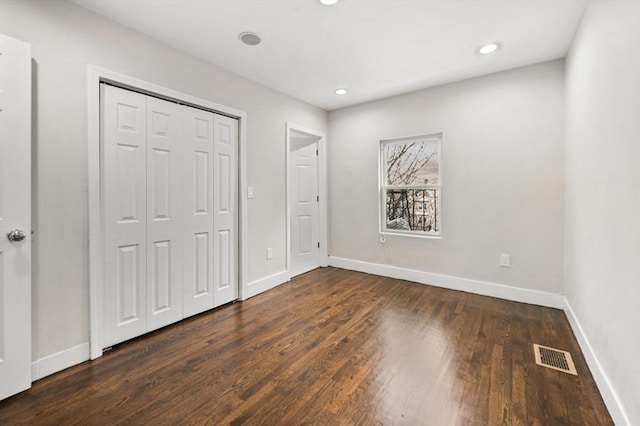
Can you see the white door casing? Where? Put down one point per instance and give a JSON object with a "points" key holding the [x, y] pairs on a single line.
{"points": [[97, 233], [304, 204], [15, 213]]}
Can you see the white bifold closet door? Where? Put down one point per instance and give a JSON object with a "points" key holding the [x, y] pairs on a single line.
{"points": [[211, 200], [124, 180], [165, 223], [198, 204], [225, 200], [169, 208]]}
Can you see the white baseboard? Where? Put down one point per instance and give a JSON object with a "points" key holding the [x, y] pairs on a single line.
{"points": [[484, 288], [609, 395], [50, 364], [267, 283]]}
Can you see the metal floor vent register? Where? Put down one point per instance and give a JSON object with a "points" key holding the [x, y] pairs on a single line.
{"points": [[554, 358]]}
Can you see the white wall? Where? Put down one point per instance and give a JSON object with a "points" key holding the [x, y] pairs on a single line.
{"points": [[602, 225], [65, 39], [502, 177]]}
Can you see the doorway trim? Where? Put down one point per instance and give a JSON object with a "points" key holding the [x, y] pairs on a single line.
{"points": [[97, 75], [322, 190]]}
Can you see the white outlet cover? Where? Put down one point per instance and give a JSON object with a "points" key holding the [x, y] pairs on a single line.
{"points": [[505, 260]]}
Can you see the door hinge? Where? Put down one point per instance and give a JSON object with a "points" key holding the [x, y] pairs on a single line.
{"points": [[316, 151], [318, 244], [317, 198]]}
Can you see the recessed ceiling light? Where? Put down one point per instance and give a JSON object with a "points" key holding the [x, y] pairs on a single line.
{"points": [[328, 2], [341, 91], [250, 38], [488, 48]]}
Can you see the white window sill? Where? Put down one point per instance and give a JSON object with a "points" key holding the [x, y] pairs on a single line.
{"points": [[412, 235]]}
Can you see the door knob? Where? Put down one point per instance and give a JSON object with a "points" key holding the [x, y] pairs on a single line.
{"points": [[16, 235]]}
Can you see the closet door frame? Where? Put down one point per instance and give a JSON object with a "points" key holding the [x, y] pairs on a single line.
{"points": [[97, 75]]}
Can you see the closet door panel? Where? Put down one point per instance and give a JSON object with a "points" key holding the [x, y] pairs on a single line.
{"points": [[225, 202], [123, 170], [198, 211], [165, 143]]}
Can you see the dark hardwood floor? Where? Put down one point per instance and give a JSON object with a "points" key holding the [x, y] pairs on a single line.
{"points": [[330, 347]]}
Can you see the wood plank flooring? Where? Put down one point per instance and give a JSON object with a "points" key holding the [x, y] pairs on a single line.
{"points": [[331, 347]]}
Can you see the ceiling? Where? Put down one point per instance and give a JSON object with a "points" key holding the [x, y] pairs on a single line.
{"points": [[374, 48]]}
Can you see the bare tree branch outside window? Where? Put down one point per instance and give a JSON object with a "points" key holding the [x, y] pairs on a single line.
{"points": [[412, 184]]}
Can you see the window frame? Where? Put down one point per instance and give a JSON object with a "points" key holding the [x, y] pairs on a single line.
{"points": [[383, 187]]}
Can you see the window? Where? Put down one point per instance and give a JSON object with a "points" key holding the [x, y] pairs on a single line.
{"points": [[411, 185]]}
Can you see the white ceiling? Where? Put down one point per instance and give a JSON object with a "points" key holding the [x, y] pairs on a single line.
{"points": [[375, 48]]}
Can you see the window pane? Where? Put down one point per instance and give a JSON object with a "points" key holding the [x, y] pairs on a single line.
{"points": [[412, 210], [413, 163]]}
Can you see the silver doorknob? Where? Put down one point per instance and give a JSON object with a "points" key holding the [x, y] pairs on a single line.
{"points": [[16, 235]]}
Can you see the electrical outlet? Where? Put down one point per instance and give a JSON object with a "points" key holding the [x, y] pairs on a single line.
{"points": [[269, 253], [505, 260]]}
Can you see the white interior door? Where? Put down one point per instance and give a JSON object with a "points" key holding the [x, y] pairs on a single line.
{"points": [[225, 202], [303, 204], [198, 205], [15, 213]]}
